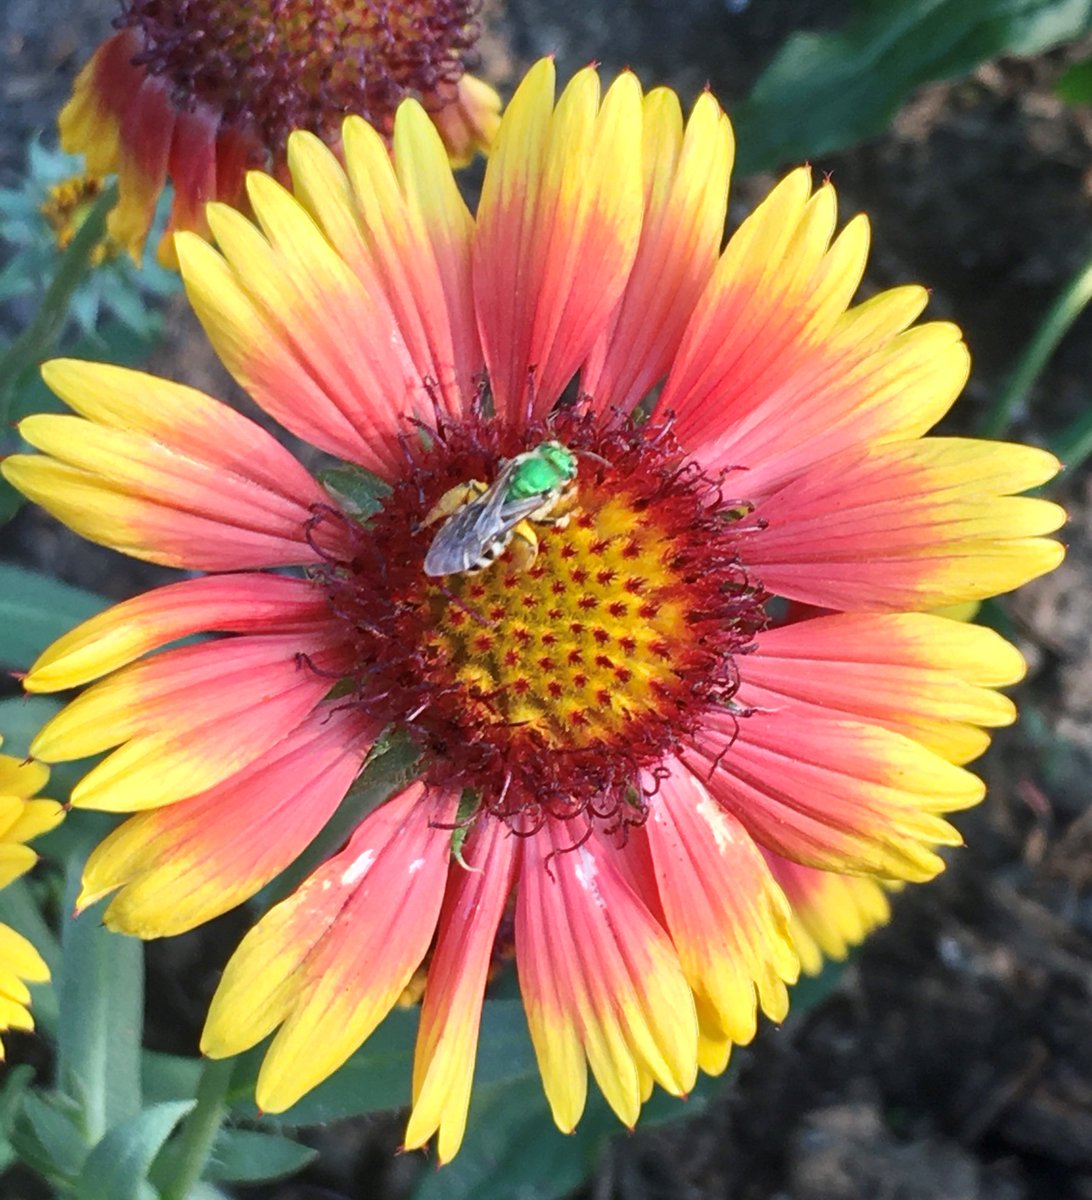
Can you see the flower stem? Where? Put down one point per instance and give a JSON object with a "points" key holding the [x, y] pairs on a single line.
{"points": [[1055, 325], [36, 342], [200, 1128], [101, 1008]]}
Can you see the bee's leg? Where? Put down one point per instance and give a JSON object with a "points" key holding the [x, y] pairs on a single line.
{"points": [[557, 522], [490, 554], [561, 510], [454, 499], [524, 546]]}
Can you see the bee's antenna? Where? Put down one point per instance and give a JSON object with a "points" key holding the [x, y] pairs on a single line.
{"points": [[592, 455]]}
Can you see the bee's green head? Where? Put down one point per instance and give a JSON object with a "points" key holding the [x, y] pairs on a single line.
{"points": [[546, 468]]}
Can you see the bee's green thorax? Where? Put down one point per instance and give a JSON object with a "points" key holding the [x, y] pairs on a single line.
{"points": [[546, 468]]}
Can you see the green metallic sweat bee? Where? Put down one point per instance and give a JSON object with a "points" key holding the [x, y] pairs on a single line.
{"points": [[482, 519]]}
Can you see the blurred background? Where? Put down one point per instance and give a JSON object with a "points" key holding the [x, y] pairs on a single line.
{"points": [[951, 1059]]}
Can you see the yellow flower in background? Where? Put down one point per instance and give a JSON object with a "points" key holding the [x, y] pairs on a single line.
{"points": [[625, 751], [66, 207], [21, 819], [198, 91]]}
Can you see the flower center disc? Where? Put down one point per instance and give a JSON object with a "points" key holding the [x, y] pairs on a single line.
{"points": [[550, 686], [590, 638]]}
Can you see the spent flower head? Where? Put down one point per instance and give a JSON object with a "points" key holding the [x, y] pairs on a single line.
{"points": [[592, 456], [198, 91]]}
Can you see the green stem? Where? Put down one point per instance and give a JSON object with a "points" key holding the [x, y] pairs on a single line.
{"points": [[101, 1018], [200, 1129], [1055, 325], [36, 342]]}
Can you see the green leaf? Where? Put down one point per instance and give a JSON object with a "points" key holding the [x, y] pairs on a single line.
{"points": [[117, 1168], [512, 1147], [824, 91], [13, 1089], [10, 501], [375, 1079], [168, 1076], [248, 1156], [35, 610], [1075, 85], [20, 719], [359, 492], [101, 997], [47, 1135]]}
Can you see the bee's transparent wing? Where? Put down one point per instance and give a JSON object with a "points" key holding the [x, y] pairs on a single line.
{"points": [[470, 530]]}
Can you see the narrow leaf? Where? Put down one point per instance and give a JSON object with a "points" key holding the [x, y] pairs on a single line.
{"points": [[35, 610], [824, 91], [249, 1156], [117, 1168]]}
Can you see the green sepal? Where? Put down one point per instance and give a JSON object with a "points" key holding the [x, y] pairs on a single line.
{"points": [[359, 492], [468, 806]]}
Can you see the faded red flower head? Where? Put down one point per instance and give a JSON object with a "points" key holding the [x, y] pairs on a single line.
{"points": [[198, 91]]}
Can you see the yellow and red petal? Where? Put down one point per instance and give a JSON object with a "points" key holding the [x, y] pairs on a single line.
{"points": [[447, 1043], [279, 350], [922, 675], [183, 864], [188, 718], [686, 175], [330, 962], [831, 913], [242, 603], [834, 793], [90, 121], [909, 526], [418, 233], [557, 232], [779, 289], [726, 916], [600, 980], [144, 150], [163, 472], [468, 121], [192, 169]]}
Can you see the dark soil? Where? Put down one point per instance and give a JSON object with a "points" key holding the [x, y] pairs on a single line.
{"points": [[955, 1061]]}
